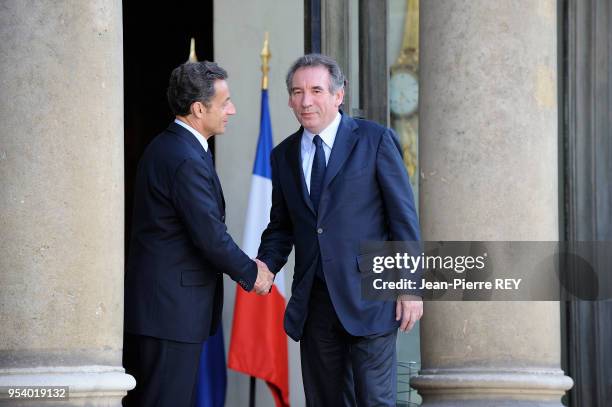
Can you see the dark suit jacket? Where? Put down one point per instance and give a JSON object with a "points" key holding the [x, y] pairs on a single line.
{"points": [[366, 197], [179, 245]]}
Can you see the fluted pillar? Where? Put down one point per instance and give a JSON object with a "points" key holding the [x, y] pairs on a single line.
{"points": [[61, 205], [489, 157]]}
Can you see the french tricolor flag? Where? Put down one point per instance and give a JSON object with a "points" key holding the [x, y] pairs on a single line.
{"points": [[258, 345]]}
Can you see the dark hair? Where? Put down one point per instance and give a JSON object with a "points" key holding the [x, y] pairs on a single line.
{"points": [[337, 80], [193, 82]]}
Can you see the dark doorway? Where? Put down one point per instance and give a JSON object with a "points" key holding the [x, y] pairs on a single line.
{"points": [[156, 39]]}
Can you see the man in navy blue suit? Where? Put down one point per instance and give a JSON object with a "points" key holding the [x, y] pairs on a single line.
{"points": [[338, 182], [179, 246]]}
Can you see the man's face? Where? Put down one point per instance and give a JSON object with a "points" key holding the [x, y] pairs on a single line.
{"points": [[314, 106], [214, 118]]}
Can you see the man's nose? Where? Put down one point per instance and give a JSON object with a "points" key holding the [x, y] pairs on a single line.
{"points": [[306, 100], [231, 109]]}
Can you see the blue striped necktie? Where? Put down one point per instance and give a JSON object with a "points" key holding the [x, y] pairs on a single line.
{"points": [[318, 173]]}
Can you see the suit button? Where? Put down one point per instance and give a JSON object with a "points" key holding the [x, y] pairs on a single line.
{"points": [[320, 230], [223, 218]]}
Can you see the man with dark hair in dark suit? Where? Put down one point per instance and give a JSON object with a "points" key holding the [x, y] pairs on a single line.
{"points": [[338, 182], [179, 246]]}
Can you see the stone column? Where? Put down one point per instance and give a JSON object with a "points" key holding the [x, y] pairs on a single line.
{"points": [[61, 205], [488, 148]]}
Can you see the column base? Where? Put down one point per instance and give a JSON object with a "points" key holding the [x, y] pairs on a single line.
{"points": [[88, 385], [494, 387]]}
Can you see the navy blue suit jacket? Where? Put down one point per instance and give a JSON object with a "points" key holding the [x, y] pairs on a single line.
{"points": [[179, 245], [366, 197]]}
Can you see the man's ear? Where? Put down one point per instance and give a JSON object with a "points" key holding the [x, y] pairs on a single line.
{"points": [[197, 109], [339, 97]]}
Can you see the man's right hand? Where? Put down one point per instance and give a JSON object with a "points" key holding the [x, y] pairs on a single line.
{"points": [[265, 278]]}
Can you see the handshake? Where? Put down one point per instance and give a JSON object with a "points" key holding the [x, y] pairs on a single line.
{"points": [[265, 278]]}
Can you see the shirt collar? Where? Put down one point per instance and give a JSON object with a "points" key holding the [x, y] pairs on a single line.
{"points": [[328, 134], [195, 133]]}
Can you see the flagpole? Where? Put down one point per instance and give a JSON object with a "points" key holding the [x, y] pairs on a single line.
{"points": [[265, 68], [252, 392]]}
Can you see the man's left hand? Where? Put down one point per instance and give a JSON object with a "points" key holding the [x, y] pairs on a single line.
{"points": [[409, 309]]}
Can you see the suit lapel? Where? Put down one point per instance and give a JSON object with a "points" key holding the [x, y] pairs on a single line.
{"points": [[206, 156], [218, 185], [343, 145], [294, 158]]}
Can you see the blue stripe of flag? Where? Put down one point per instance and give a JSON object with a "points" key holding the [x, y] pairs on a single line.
{"points": [[212, 373], [264, 144]]}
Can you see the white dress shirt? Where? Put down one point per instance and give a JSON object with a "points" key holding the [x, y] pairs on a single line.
{"points": [[201, 139], [328, 135]]}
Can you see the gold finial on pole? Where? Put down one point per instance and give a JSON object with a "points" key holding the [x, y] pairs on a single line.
{"points": [[192, 54], [265, 57]]}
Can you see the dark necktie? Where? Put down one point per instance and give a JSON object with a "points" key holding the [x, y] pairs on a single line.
{"points": [[318, 173], [316, 186], [209, 157]]}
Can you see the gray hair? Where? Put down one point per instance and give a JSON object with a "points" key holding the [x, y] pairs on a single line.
{"points": [[193, 82], [336, 78]]}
